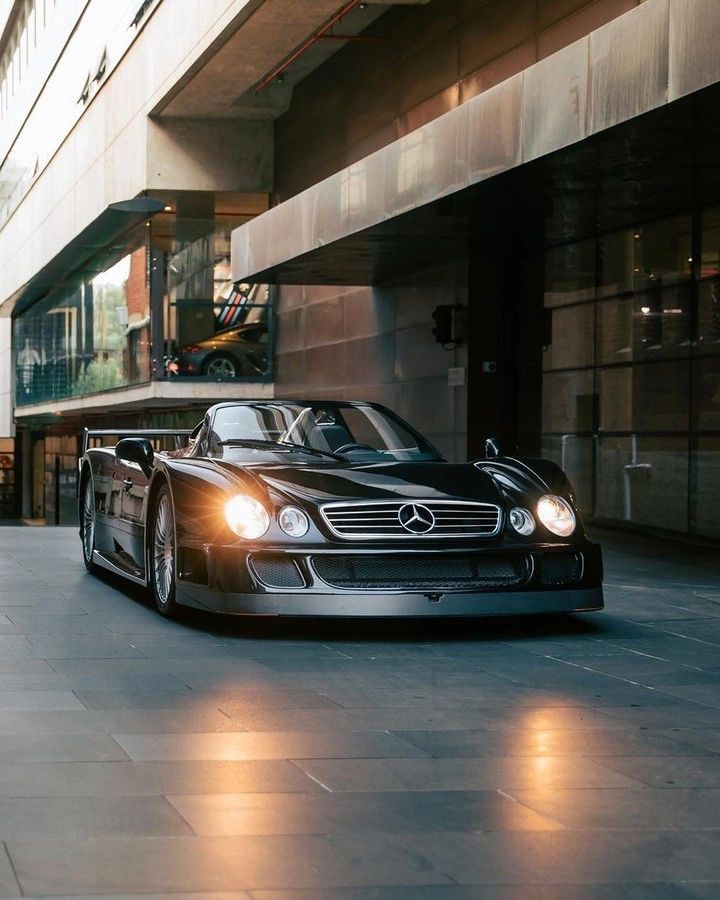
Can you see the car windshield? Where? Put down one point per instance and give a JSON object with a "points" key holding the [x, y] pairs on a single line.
{"points": [[333, 432]]}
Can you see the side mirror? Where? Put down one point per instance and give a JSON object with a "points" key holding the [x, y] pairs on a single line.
{"points": [[137, 450], [495, 446]]}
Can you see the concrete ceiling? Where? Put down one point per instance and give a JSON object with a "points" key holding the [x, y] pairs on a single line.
{"points": [[223, 84]]}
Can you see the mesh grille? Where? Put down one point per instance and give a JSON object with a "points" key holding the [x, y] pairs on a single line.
{"points": [[277, 571], [448, 518], [422, 573], [560, 568]]}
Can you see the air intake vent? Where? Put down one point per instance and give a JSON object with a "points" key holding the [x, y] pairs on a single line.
{"points": [[559, 569], [275, 570], [418, 572]]}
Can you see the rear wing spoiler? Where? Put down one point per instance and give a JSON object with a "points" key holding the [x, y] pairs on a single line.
{"points": [[180, 434]]}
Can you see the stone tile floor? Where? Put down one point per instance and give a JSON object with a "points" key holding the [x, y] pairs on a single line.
{"points": [[558, 759]]}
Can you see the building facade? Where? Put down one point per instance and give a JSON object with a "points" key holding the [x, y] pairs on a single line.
{"points": [[273, 198]]}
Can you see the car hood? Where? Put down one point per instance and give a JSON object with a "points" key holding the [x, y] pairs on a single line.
{"points": [[384, 481]]}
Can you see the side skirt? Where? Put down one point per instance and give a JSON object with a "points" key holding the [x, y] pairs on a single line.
{"points": [[100, 560]]}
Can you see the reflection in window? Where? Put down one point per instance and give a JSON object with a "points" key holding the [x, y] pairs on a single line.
{"points": [[706, 394], [710, 243], [644, 480], [705, 487], [574, 454], [573, 337], [644, 398], [91, 334], [568, 401], [647, 257], [570, 274], [708, 316], [215, 329], [651, 324], [656, 371]]}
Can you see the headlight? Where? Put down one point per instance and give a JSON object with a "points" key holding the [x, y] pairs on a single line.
{"points": [[246, 517], [522, 520], [556, 515], [293, 521]]}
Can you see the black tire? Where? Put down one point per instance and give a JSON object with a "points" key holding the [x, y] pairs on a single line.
{"points": [[162, 554], [87, 523], [222, 367]]}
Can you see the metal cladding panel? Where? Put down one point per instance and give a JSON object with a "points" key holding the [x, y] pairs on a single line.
{"points": [[322, 207], [629, 65], [362, 193], [618, 72], [427, 163], [292, 233], [694, 42], [494, 130], [554, 108]]}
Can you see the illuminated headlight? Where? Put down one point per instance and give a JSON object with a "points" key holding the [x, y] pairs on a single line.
{"points": [[246, 517], [293, 521], [521, 520], [556, 515]]}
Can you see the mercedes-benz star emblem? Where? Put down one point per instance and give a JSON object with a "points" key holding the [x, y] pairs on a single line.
{"points": [[416, 519]]}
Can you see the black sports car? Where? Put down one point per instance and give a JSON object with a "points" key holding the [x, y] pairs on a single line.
{"points": [[331, 509]]}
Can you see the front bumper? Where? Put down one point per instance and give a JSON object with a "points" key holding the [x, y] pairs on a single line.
{"points": [[229, 584], [401, 605]]}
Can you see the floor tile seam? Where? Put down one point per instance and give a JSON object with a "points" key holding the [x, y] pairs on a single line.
{"points": [[297, 764], [685, 637], [13, 870], [178, 812], [599, 760], [658, 689], [532, 809]]}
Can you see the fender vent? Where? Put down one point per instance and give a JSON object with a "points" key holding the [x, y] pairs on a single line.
{"points": [[192, 565]]}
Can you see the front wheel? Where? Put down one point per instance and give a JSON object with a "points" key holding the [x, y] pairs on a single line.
{"points": [[162, 555], [87, 524]]}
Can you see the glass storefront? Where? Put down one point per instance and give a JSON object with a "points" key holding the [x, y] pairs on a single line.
{"points": [[631, 381], [214, 329], [90, 334], [94, 332]]}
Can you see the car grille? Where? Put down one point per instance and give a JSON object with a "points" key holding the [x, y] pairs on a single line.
{"points": [[419, 572], [561, 568], [452, 518]]}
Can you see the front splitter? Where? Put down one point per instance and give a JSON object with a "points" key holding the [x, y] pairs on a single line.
{"points": [[409, 605]]}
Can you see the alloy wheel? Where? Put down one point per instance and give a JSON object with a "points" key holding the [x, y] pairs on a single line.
{"points": [[88, 522], [163, 551], [221, 367]]}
